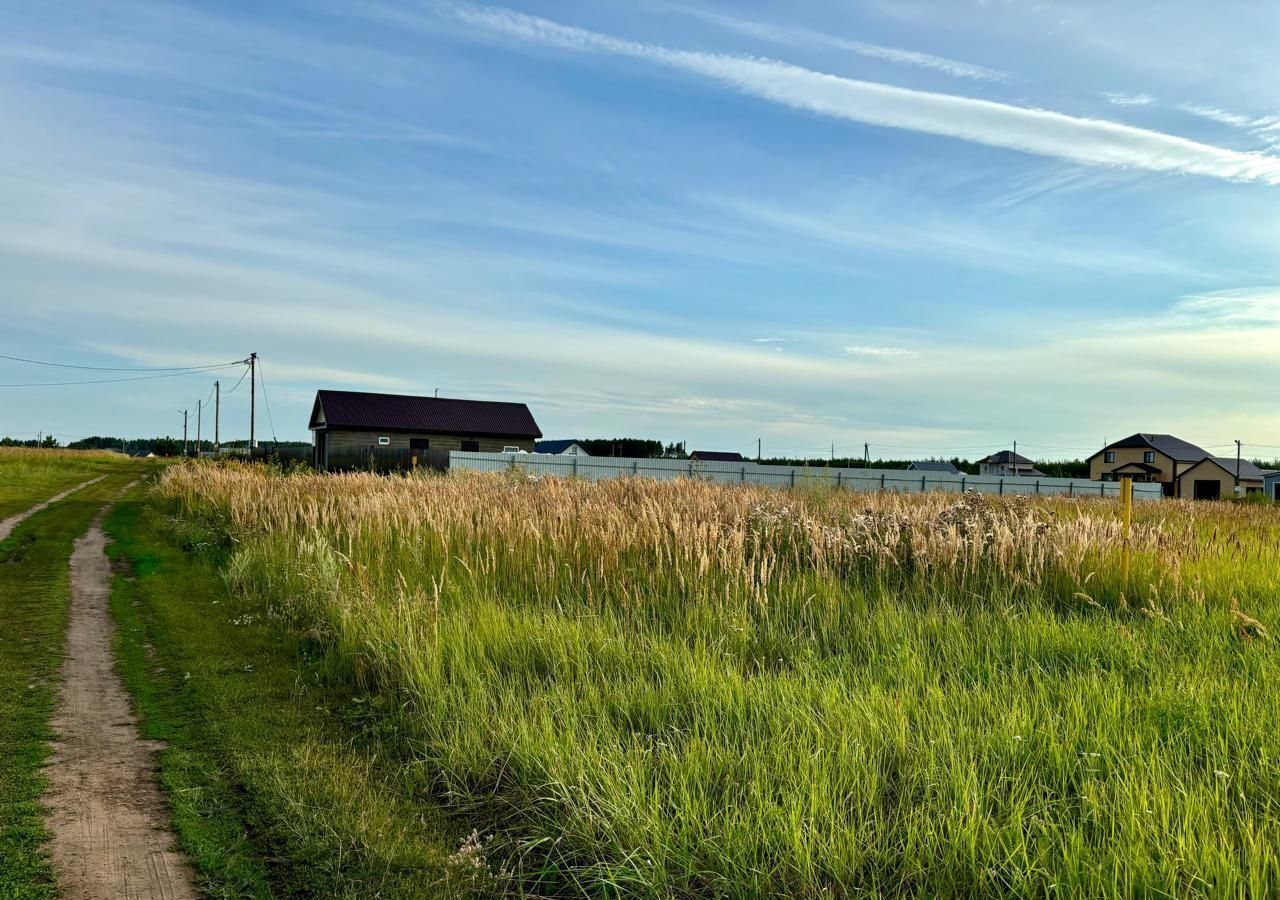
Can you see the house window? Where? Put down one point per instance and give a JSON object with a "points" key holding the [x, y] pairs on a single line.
{"points": [[1109, 456], [1149, 456], [470, 446], [384, 442], [419, 443]]}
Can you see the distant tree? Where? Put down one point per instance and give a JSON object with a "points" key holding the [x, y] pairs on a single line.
{"points": [[675, 451]]}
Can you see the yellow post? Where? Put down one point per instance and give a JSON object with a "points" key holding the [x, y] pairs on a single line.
{"points": [[1126, 499]]}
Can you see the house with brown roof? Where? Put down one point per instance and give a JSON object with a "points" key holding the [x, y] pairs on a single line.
{"points": [[1151, 458], [348, 422], [1215, 477], [1183, 469], [1006, 463]]}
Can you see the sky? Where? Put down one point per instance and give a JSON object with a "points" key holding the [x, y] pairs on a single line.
{"points": [[935, 227]]}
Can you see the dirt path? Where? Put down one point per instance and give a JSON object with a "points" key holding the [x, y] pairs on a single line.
{"points": [[7, 526], [110, 824]]}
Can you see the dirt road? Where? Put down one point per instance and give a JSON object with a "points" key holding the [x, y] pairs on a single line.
{"points": [[110, 825], [7, 526]]}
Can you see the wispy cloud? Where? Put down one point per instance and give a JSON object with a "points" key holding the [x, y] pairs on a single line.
{"points": [[786, 34], [774, 340], [879, 352], [1119, 99], [1037, 131], [1213, 113]]}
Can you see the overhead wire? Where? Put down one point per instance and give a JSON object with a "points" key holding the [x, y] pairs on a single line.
{"points": [[113, 380], [39, 362], [266, 402]]}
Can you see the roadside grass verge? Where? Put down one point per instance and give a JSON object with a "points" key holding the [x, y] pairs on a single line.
{"points": [[672, 689], [28, 475], [34, 593], [279, 781]]}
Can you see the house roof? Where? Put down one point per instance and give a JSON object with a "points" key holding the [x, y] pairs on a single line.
{"points": [[557, 446], [426, 415], [928, 465], [1141, 467], [715, 456], [1007, 457], [1170, 446], [1248, 471]]}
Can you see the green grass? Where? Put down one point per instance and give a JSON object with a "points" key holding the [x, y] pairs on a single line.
{"points": [[33, 610], [280, 781], [28, 476], [688, 691]]}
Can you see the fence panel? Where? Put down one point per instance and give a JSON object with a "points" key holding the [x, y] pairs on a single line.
{"points": [[597, 467]]}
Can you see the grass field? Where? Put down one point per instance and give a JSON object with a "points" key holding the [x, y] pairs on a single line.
{"points": [[674, 689], [28, 476]]}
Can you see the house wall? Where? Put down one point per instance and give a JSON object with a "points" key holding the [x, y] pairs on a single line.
{"points": [[339, 441], [1272, 487], [1209, 471], [1124, 455]]}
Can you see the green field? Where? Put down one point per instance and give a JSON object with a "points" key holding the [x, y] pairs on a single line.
{"points": [[475, 686], [675, 689]]}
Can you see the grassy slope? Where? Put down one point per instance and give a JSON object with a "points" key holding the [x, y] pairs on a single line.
{"points": [[278, 781], [33, 607], [29, 476]]}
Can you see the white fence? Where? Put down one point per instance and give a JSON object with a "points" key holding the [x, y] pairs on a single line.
{"points": [[597, 467]]}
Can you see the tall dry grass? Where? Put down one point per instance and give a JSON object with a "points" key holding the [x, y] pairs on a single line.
{"points": [[680, 689]]}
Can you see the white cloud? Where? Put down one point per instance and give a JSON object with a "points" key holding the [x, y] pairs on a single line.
{"points": [[802, 36], [1215, 114], [1129, 99], [774, 340], [1037, 131], [879, 352]]}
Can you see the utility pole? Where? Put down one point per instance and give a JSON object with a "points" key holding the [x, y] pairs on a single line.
{"points": [[757, 451], [199, 446], [1014, 461], [253, 398], [1237, 467], [217, 416], [184, 432], [866, 456]]}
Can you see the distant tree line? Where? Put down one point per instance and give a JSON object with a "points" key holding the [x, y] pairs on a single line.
{"points": [[633, 448]]}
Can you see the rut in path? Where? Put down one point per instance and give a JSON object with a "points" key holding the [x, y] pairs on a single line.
{"points": [[7, 525], [110, 824]]}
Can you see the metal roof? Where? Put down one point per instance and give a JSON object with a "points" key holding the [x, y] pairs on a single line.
{"points": [[1007, 457], [1170, 446], [716, 456], [1248, 471], [425, 415], [928, 465], [556, 446]]}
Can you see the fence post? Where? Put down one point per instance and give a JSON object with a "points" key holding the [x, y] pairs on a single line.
{"points": [[839, 479], [1071, 488], [923, 483], [1102, 489], [635, 467], [744, 473], [963, 481], [793, 477], [574, 473], [882, 481], [1001, 487], [1037, 487]]}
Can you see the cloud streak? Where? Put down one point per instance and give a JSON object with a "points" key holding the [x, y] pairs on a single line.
{"points": [[804, 37], [1037, 131]]}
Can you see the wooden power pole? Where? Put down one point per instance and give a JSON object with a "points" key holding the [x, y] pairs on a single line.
{"points": [[199, 407], [184, 432], [253, 398], [217, 416]]}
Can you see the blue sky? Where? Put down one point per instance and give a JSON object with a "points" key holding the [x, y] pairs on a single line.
{"points": [[934, 226]]}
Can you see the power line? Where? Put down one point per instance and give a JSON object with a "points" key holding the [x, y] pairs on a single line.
{"points": [[243, 376], [38, 362], [115, 380], [267, 403]]}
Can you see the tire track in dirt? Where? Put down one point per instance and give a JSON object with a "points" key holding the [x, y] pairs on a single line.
{"points": [[7, 526], [110, 823]]}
